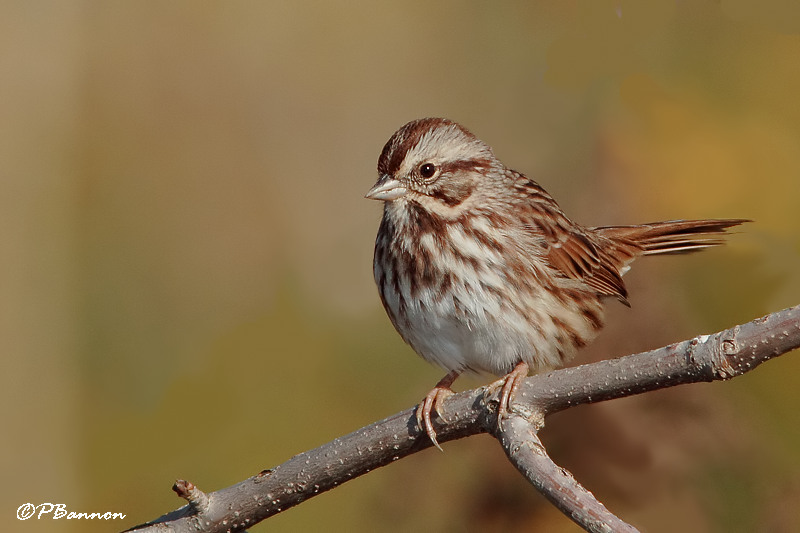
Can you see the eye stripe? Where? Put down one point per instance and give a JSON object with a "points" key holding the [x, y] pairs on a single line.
{"points": [[465, 165]]}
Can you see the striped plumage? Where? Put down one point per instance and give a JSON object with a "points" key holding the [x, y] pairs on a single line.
{"points": [[480, 270]]}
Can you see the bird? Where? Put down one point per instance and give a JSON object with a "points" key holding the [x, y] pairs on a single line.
{"points": [[480, 270]]}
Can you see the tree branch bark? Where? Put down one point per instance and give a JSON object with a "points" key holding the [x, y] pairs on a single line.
{"points": [[720, 356], [520, 440]]}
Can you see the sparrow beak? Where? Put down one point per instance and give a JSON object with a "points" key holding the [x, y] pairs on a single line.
{"points": [[386, 189]]}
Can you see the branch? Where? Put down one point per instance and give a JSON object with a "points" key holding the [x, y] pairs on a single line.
{"points": [[521, 442], [721, 356]]}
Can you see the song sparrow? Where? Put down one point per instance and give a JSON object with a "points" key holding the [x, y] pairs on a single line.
{"points": [[480, 270]]}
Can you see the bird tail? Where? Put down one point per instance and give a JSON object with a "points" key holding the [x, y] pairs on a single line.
{"points": [[670, 237]]}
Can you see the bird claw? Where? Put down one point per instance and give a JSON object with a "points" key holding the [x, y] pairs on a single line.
{"points": [[431, 403], [510, 383]]}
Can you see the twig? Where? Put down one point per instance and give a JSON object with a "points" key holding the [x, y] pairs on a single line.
{"points": [[720, 356], [521, 442]]}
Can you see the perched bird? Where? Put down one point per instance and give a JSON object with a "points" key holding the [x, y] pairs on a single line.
{"points": [[480, 270]]}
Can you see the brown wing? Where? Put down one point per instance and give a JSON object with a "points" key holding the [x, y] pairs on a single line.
{"points": [[578, 257], [578, 253]]}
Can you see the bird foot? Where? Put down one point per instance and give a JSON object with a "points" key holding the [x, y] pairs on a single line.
{"points": [[432, 402], [508, 387]]}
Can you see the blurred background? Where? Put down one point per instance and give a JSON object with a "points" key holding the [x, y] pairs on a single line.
{"points": [[186, 269]]}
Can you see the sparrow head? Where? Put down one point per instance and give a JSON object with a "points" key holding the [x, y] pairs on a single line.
{"points": [[431, 158]]}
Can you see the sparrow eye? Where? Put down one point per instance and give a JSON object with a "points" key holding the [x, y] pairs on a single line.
{"points": [[427, 170]]}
